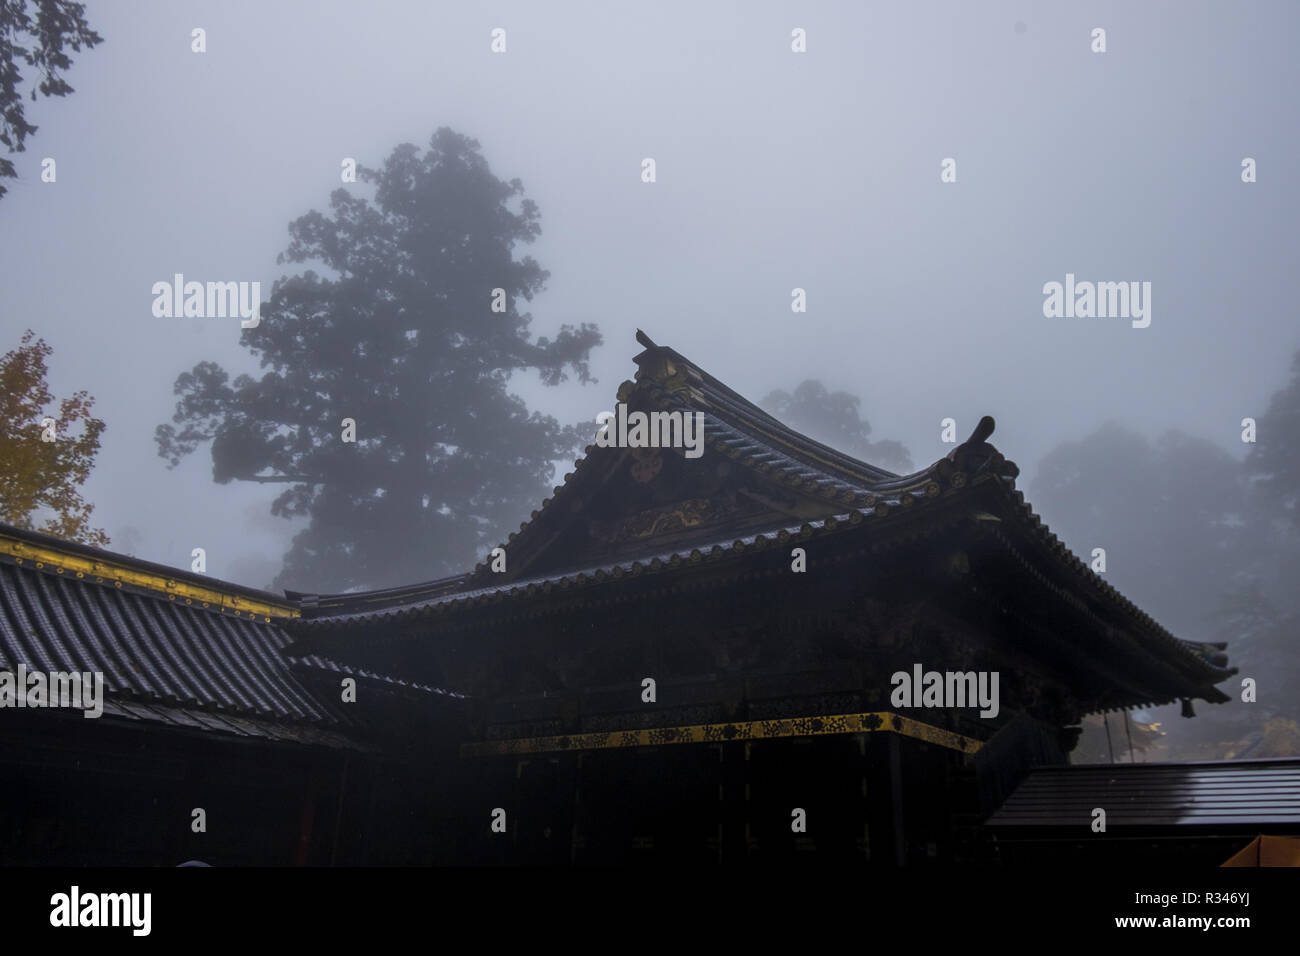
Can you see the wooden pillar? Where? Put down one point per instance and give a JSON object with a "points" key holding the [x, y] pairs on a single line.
{"points": [[576, 838], [864, 769], [733, 809], [337, 834], [306, 818], [885, 800]]}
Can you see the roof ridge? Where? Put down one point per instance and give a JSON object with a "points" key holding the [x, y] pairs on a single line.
{"points": [[658, 365], [33, 548], [667, 374]]}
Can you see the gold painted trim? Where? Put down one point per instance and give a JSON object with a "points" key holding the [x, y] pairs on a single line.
{"points": [[120, 573], [720, 733]]}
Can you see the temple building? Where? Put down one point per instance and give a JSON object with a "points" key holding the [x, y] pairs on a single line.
{"points": [[762, 650]]}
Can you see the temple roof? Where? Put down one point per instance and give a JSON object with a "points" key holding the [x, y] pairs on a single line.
{"points": [[848, 490], [1243, 793], [175, 643], [836, 495], [175, 648]]}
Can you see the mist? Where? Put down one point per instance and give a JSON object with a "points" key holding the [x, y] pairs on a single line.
{"points": [[821, 171]]}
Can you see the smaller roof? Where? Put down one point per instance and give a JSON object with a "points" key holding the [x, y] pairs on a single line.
{"points": [[1244, 793], [174, 648]]}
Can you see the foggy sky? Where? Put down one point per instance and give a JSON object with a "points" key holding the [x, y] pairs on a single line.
{"points": [[775, 170]]}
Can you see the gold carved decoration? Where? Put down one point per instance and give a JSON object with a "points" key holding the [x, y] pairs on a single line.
{"points": [[685, 514], [747, 730]]}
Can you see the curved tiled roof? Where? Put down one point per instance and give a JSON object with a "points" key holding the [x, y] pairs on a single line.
{"points": [[33, 549], [744, 433], [173, 648], [859, 498], [587, 577], [308, 663], [148, 648]]}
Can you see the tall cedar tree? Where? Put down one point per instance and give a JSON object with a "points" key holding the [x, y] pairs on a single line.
{"points": [[38, 33], [832, 418], [1188, 541], [1270, 626], [1274, 460], [39, 478], [1169, 514], [401, 338]]}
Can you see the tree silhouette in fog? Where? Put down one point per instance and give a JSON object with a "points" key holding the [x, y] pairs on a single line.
{"points": [[1209, 545], [1169, 514], [833, 419], [38, 33], [400, 336], [1274, 460], [1264, 610]]}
